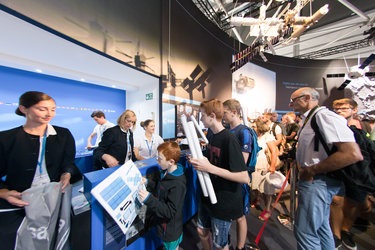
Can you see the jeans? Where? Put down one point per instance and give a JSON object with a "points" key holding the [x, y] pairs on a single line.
{"points": [[219, 228], [312, 229]]}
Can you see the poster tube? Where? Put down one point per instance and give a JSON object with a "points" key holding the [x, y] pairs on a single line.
{"points": [[193, 153], [206, 176], [199, 129]]}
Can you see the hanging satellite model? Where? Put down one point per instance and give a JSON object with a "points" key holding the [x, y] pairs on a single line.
{"points": [[355, 72], [283, 27], [244, 83]]}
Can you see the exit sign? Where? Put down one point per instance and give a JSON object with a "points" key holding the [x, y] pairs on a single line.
{"points": [[149, 96]]}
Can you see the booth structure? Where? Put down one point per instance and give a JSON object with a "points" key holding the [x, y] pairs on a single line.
{"points": [[105, 234]]}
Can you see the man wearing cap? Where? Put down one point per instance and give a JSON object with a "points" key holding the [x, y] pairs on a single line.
{"points": [[315, 188]]}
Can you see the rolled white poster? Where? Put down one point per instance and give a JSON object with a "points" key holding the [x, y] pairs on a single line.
{"points": [[206, 176], [199, 129], [193, 153]]}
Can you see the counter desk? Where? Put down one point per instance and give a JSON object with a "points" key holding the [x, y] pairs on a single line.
{"points": [[105, 234]]}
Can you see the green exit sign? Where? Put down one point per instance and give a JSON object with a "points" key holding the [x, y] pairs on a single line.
{"points": [[149, 96]]}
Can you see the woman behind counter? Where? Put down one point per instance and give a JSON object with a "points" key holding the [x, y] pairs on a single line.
{"points": [[30, 155], [117, 144], [145, 146]]}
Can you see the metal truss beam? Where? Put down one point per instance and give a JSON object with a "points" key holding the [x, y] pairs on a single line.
{"points": [[337, 49]]}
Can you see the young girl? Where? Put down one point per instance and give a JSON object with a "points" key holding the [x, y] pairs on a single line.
{"points": [[171, 189], [258, 184]]}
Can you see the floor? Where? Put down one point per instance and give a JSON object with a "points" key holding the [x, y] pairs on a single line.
{"points": [[275, 235]]}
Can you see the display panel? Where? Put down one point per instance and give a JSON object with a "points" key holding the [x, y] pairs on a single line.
{"points": [[169, 121], [75, 101]]}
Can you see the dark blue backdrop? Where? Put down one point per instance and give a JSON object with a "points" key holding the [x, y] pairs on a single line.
{"points": [[75, 101]]}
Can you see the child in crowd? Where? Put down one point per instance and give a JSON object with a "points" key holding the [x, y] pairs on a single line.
{"points": [[171, 189]]}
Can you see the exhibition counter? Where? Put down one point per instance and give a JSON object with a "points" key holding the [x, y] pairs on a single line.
{"points": [[105, 234]]}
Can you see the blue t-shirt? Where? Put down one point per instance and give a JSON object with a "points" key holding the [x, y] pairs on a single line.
{"points": [[244, 137]]}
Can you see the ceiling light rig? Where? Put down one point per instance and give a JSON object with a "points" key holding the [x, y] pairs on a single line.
{"points": [[284, 27]]}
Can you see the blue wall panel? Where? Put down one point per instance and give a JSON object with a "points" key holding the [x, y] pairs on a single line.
{"points": [[75, 101]]}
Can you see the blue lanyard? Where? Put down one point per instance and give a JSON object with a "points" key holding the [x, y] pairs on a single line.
{"points": [[42, 154], [128, 142], [149, 148]]}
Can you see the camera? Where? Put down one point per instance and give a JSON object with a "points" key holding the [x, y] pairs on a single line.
{"points": [[289, 154]]}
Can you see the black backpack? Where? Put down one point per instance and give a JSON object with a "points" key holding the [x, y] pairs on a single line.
{"points": [[361, 173]]}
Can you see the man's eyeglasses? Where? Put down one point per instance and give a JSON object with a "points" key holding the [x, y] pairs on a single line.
{"points": [[343, 109], [293, 100]]}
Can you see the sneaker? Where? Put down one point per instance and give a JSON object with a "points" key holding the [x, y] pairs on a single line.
{"points": [[338, 242], [285, 221], [347, 240]]}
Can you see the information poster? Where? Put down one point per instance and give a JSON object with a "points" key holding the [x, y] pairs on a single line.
{"points": [[118, 194]]}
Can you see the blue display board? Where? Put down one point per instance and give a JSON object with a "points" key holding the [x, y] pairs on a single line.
{"points": [[75, 101], [169, 121]]}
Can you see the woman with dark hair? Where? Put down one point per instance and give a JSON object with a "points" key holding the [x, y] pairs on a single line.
{"points": [[117, 144], [145, 146], [31, 155]]}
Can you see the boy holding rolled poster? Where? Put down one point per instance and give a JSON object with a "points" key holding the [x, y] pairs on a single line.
{"points": [[171, 190], [227, 170]]}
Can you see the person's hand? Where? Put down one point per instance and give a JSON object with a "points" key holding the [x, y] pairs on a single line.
{"points": [[15, 198], [142, 195], [110, 160], [203, 165], [202, 143], [143, 181], [271, 170], [89, 147], [65, 180], [307, 174]]}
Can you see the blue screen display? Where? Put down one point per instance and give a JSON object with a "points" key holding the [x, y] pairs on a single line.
{"points": [[75, 101], [169, 118]]}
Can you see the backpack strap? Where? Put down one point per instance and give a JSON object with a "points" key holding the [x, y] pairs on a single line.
{"points": [[318, 136]]}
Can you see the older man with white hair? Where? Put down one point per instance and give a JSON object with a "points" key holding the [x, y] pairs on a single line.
{"points": [[315, 187]]}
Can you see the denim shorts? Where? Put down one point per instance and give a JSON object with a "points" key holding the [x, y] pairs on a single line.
{"points": [[352, 192], [219, 228]]}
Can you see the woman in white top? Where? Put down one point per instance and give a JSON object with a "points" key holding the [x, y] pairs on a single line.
{"points": [[145, 146], [258, 182]]}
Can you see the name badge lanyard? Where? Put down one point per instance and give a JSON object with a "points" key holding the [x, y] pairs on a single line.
{"points": [[149, 148], [42, 154], [129, 146]]}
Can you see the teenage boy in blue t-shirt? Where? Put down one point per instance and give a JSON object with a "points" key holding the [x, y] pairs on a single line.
{"points": [[232, 117]]}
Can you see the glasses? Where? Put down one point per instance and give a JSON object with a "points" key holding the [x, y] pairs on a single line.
{"points": [[293, 100], [343, 109], [130, 121]]}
